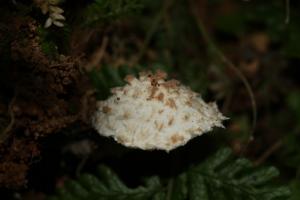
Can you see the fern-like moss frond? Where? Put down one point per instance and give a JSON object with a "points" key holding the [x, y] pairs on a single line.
{"points": [[220, 177]]}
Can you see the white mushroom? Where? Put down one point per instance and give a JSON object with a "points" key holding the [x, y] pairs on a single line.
{"points": [[152, 113]]}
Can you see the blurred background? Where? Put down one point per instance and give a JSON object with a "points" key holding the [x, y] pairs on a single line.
{"points": [[243, 54]]}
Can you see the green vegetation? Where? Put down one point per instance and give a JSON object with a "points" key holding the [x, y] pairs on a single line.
{"points": [[219, 177]]}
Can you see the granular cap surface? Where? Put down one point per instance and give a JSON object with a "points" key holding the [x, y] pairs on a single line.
{"points": [[150, 112]]}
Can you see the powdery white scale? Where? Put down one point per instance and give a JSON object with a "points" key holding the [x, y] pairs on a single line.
{"points": [[150, 112]]}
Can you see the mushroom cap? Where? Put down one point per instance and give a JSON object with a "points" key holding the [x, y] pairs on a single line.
{"points": [[152, 113]]}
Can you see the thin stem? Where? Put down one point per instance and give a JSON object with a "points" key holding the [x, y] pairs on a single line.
{"points": [[268, 152], [287, 11], [4, 135], [214, 50], [170, 189], [153, 28]]}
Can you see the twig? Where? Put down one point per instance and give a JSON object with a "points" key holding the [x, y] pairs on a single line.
{"points": [[60, 64], [85, 104], [214, 50], [170, 189], [4, 135], [153, 28], [81, 164], [97, 55], [268, 153], [287, 11]]}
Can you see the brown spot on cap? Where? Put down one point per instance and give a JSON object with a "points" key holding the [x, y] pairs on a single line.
{"points": [[160, 97], [176, 138], [160, 74], [129, 78], [160, 126], [171, 121], [160, 111], [106, 109], [171, 103], [121, 139], [156, 124], [189, 103], [170, 84], [153, 82], [152, 92], [199, 129], [186, 117], [126, 115]]}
